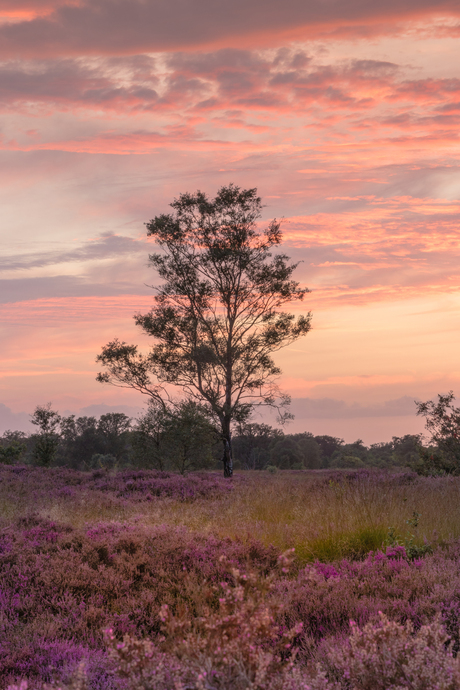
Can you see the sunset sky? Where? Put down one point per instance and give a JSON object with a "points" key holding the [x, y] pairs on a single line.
{"points": [[343, 113]]}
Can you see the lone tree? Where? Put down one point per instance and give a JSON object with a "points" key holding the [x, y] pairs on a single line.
{"points": [[218, 316]]}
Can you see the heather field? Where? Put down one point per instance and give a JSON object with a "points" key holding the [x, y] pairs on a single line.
{"points": [[292, 580]]}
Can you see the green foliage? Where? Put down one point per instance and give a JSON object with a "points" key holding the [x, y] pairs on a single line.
{"points": [[353, 545], [443, 422], [188, 437], [411, 540], [10, 454], [180, 437], [285, 453], [252, 443], [114, 428], [347, 461], [147, 437], [13, 447], [47, 440], [100, 461]]}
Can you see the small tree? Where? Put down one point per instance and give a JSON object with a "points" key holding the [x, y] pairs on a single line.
{"points": [[12, 447], [47, 440], [114, 427], [218, 317], [443, 423], [188, 437], [147, 436], [252, 444]]}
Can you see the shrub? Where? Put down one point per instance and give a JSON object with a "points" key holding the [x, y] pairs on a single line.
{"points": [[390, 655]]}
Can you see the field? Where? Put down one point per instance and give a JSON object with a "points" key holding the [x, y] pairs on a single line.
{"points": [[196, 565]]}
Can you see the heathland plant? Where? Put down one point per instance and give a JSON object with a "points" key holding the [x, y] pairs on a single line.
{"points": [[82, 552], [251, 630], [219, 315]]}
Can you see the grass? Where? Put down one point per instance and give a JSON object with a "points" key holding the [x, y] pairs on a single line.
{"points": [[323, 515]]}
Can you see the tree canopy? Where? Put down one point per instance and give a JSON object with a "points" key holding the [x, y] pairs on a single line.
{"points": [[219, 315]]}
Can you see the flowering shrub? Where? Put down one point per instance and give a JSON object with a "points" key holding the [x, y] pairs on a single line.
{"points": [[60, 587], [240, 646], [127, 485], [389, 655], [182, 604]]}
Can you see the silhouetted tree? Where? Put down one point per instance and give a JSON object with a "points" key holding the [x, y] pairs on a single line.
{"points": [[12, 446], [114, 427], [286, 454], [309, 449], [188, 437], [252, 443], [47, 440], [328, 445], [218, 317], [80, 440], [443, 423]]}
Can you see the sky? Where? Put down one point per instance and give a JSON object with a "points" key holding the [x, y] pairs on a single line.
{"points": [[343, 113]]}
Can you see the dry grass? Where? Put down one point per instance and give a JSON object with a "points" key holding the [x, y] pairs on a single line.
{"points": [[319, 514]]}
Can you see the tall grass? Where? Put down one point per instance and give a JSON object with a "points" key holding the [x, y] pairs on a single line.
{"points": [[323, 515]]}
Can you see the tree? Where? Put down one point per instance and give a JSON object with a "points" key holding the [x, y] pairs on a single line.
{"points": [[310, 450], [12, 447], [252, 443], [443, 422], [286, 454], [218, 317], [147, 436], [47, 440], [80, 441], [114, 427], [188, 437], [328, 445]]}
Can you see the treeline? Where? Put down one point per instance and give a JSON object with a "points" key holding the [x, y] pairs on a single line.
{"points": [[183, 439]]}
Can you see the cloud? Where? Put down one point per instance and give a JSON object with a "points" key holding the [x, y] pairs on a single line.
{"points": [[131, 26], [108, 245], [98, 409], [109, 84], [330, 408], [14, 421]]}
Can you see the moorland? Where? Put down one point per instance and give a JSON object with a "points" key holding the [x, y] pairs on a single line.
{"points": [[289, 579]]}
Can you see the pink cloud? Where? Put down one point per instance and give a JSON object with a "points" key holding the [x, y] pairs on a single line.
{"points": [[131, 26]]}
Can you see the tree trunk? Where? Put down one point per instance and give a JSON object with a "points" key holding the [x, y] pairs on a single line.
{"points": [[227, 457]]}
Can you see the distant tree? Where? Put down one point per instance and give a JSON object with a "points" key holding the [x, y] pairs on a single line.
{"points": [[328, 445], [188, 437], [347, 461], [309, 449], [381, 454], [180, 437], [47, 439], [114, 427], [12, 447], [286, 454], [81, 439], [252, 443], [406, 449], [443, 423], [219, 315], [147, 437], [351, 455]]}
